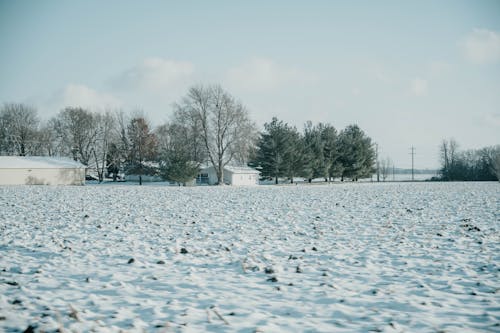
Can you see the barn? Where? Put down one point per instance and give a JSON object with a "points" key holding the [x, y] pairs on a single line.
{"points": [[233, 175], [40, 170]]}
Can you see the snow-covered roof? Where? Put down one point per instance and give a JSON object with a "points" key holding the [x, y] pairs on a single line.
{"points": [[234, 169], [38, 162], [241, 170]]}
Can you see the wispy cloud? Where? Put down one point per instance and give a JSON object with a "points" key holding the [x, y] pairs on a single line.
{"points": [[83, 96], [482, 46], [261, 74], [154, 75], [419, 87], [439, 68]]}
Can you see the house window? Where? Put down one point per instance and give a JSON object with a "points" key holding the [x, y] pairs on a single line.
{"points": [[202, 178]]}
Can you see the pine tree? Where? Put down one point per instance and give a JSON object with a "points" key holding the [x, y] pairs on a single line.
{"points": [[177, 156], [273, 149], [357, 153], [331, 150], [294, 159], [321, 151]]}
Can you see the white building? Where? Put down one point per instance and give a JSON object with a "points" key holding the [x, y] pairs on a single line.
{"points": [[232, 176], [40, 170]]}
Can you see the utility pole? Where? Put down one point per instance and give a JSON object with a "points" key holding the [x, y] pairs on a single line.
{"points": [[412, 163]]}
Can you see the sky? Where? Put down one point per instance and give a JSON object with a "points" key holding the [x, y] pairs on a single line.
{"points": [[409, 73]]}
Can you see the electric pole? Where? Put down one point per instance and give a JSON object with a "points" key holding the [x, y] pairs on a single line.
{"points": [[412, 162]]}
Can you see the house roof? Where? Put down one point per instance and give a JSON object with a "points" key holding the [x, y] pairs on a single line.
{"points": [[38, 162], [234, 169], [241, 170]]}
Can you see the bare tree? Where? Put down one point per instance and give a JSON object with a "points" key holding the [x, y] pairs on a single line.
{"points": [[444, 150], [18, 129], [119, 145], [225, 129], [449, 151], [77, 133], [495, 161], [105, 125], [142, 147], [45, 141], [191, 124], [385, 167]]}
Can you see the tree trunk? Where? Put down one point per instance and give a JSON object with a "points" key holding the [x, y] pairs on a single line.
{"points": [[220, 174], [276, 180], [140, 179]]}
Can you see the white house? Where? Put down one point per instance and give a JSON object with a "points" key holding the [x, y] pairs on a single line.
{"points": [[233, 175], [40, 170]]}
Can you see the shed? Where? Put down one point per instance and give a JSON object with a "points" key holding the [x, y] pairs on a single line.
{"points": [[233, 175], [40, 170]]}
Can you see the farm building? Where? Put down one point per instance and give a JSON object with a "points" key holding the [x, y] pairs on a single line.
{"points": [[38, 170], [233, 175]]}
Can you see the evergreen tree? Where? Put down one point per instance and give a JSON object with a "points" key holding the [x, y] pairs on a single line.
{"points": [[313, 158], [113, 160], [177, 158], [331, 151], [357, 153], [294, 159], [273, 149], [321, 151], [177, 166]]}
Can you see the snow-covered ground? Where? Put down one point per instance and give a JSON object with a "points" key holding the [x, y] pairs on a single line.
{"points": [[365, 257]]}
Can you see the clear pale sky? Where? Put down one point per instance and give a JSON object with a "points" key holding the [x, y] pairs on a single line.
{"points": [[409, 73]]}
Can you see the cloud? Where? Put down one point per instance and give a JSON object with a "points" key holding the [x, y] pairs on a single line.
{"points": [[260, 74], [482, 46], [154, 75], [83, 96], [492, 119], [439, 68], [419, 87]]}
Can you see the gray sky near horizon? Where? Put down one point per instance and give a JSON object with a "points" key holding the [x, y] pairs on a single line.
{"points": [[408, 73]]}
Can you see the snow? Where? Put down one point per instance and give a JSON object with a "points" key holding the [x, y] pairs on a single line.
{"points": [[241, 170], [341, 257], [38, 162]]}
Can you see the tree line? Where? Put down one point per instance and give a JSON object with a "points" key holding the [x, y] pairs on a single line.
{"points": [[318, 152], [208, 126], [469, 165]]}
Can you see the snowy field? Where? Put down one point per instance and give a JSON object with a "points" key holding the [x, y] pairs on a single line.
{"points": [[395, 257]]}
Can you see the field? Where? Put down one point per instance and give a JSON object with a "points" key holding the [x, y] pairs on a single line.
{"points": [[333, 258]]}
